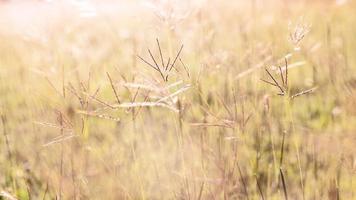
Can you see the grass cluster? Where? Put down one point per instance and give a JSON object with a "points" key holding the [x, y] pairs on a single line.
{"points": [[182, 100]]}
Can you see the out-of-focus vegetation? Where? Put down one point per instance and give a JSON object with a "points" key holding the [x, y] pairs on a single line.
{"points": [[83, 116]]}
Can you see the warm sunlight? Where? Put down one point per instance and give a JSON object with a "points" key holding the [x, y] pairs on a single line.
{"points": [[177, 99]]}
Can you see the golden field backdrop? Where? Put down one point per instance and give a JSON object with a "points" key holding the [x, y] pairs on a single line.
{"points": [[209, 99]]}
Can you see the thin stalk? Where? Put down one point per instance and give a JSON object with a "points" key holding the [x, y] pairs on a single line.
{"points": [[283, 184]]}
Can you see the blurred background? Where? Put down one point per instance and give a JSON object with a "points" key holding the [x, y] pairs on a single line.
{"points": [[177, 99]]}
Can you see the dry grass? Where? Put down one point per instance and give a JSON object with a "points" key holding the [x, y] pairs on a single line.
{"points": [[88, 113]]}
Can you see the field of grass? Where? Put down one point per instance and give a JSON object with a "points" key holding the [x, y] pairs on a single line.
{"points": [[209, 99]]}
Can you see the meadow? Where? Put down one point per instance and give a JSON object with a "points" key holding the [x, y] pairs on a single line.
{"points": [[204, 99]]}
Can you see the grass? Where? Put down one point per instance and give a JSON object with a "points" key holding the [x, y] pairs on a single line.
{"points": [[233, 100]]}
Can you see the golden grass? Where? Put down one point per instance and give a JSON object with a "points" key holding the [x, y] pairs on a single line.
{"points": [[88, 113]]}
